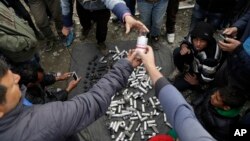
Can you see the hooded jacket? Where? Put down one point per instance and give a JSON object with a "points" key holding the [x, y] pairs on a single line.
{"points": [[17, 39]]}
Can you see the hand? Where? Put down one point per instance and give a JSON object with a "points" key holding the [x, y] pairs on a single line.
{"points": [[65, 30], [184, 49], [132, 58], [130, 22], [63, 77], [72, 84], [231, 31], [191, 79], [230, 44], [148, 58]]}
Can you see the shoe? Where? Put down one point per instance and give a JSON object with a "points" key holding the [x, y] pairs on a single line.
{"points": [[85, 33], [170, 38], [103, 48]]}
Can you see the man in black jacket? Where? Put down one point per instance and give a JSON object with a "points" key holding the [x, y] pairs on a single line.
{"points": [[57, 120]]}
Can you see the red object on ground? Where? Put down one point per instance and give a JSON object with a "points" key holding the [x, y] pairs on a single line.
{"points": [[161, 137]]}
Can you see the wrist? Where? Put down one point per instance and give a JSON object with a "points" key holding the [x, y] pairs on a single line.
{"points": [[150, 67], [125, 16], [68, 89]]}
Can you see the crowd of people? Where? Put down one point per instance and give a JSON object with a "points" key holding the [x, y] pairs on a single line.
{"points": [[216, 67]]}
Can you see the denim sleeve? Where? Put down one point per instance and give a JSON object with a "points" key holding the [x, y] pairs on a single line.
{"points": [[181, 115], [66, 10], [118, 7]]}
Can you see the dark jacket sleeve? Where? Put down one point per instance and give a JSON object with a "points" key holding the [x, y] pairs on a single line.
{"points": [[239, 68], [48, 79], [61, 95], [66, 118], [242, 22], [179, 113]]}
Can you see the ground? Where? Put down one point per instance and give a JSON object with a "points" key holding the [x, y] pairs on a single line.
{"points": [[58, 60]]}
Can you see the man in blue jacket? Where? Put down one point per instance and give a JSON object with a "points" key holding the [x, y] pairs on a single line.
{"points": [[56, 121]]}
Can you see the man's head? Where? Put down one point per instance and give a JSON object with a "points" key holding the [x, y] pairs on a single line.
{"points": [[227, 98], [10, 93], [202, 35]]}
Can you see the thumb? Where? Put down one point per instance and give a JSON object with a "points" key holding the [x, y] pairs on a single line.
{"points": [[149, 49], [127, 28], [133, 55]]}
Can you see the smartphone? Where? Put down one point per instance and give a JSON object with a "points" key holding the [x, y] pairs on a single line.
{"points": [[220, 37], [75, 76]]}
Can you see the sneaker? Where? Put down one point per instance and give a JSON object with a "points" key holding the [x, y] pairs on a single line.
{"points": [[170, 38], [103, 48], [85, 33]]}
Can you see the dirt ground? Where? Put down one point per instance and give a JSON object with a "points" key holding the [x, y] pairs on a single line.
{"points": [[58, 60]]}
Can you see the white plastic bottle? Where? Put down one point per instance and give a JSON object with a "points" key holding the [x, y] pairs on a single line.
{"points": [[142, 42]]}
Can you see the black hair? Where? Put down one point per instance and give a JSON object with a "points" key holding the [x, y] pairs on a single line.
{"points": [[3, 71], [232, 97], [203, 30], [28, 73]]}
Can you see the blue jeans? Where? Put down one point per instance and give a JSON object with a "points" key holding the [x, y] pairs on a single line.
{"points": [[200, 14], [131, 5], [152, 14]]}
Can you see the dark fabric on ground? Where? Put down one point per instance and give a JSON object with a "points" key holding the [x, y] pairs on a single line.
{"points": [[83, 54]]}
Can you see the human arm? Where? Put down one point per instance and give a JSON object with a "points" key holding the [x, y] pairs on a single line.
{"points": [[63, 94], [179, 112], [186, 46], [64, 76], [241, 23], [50, 79], [75, 114]]}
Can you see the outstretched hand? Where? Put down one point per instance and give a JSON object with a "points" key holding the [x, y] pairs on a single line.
{"points": [[130, 23]]}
